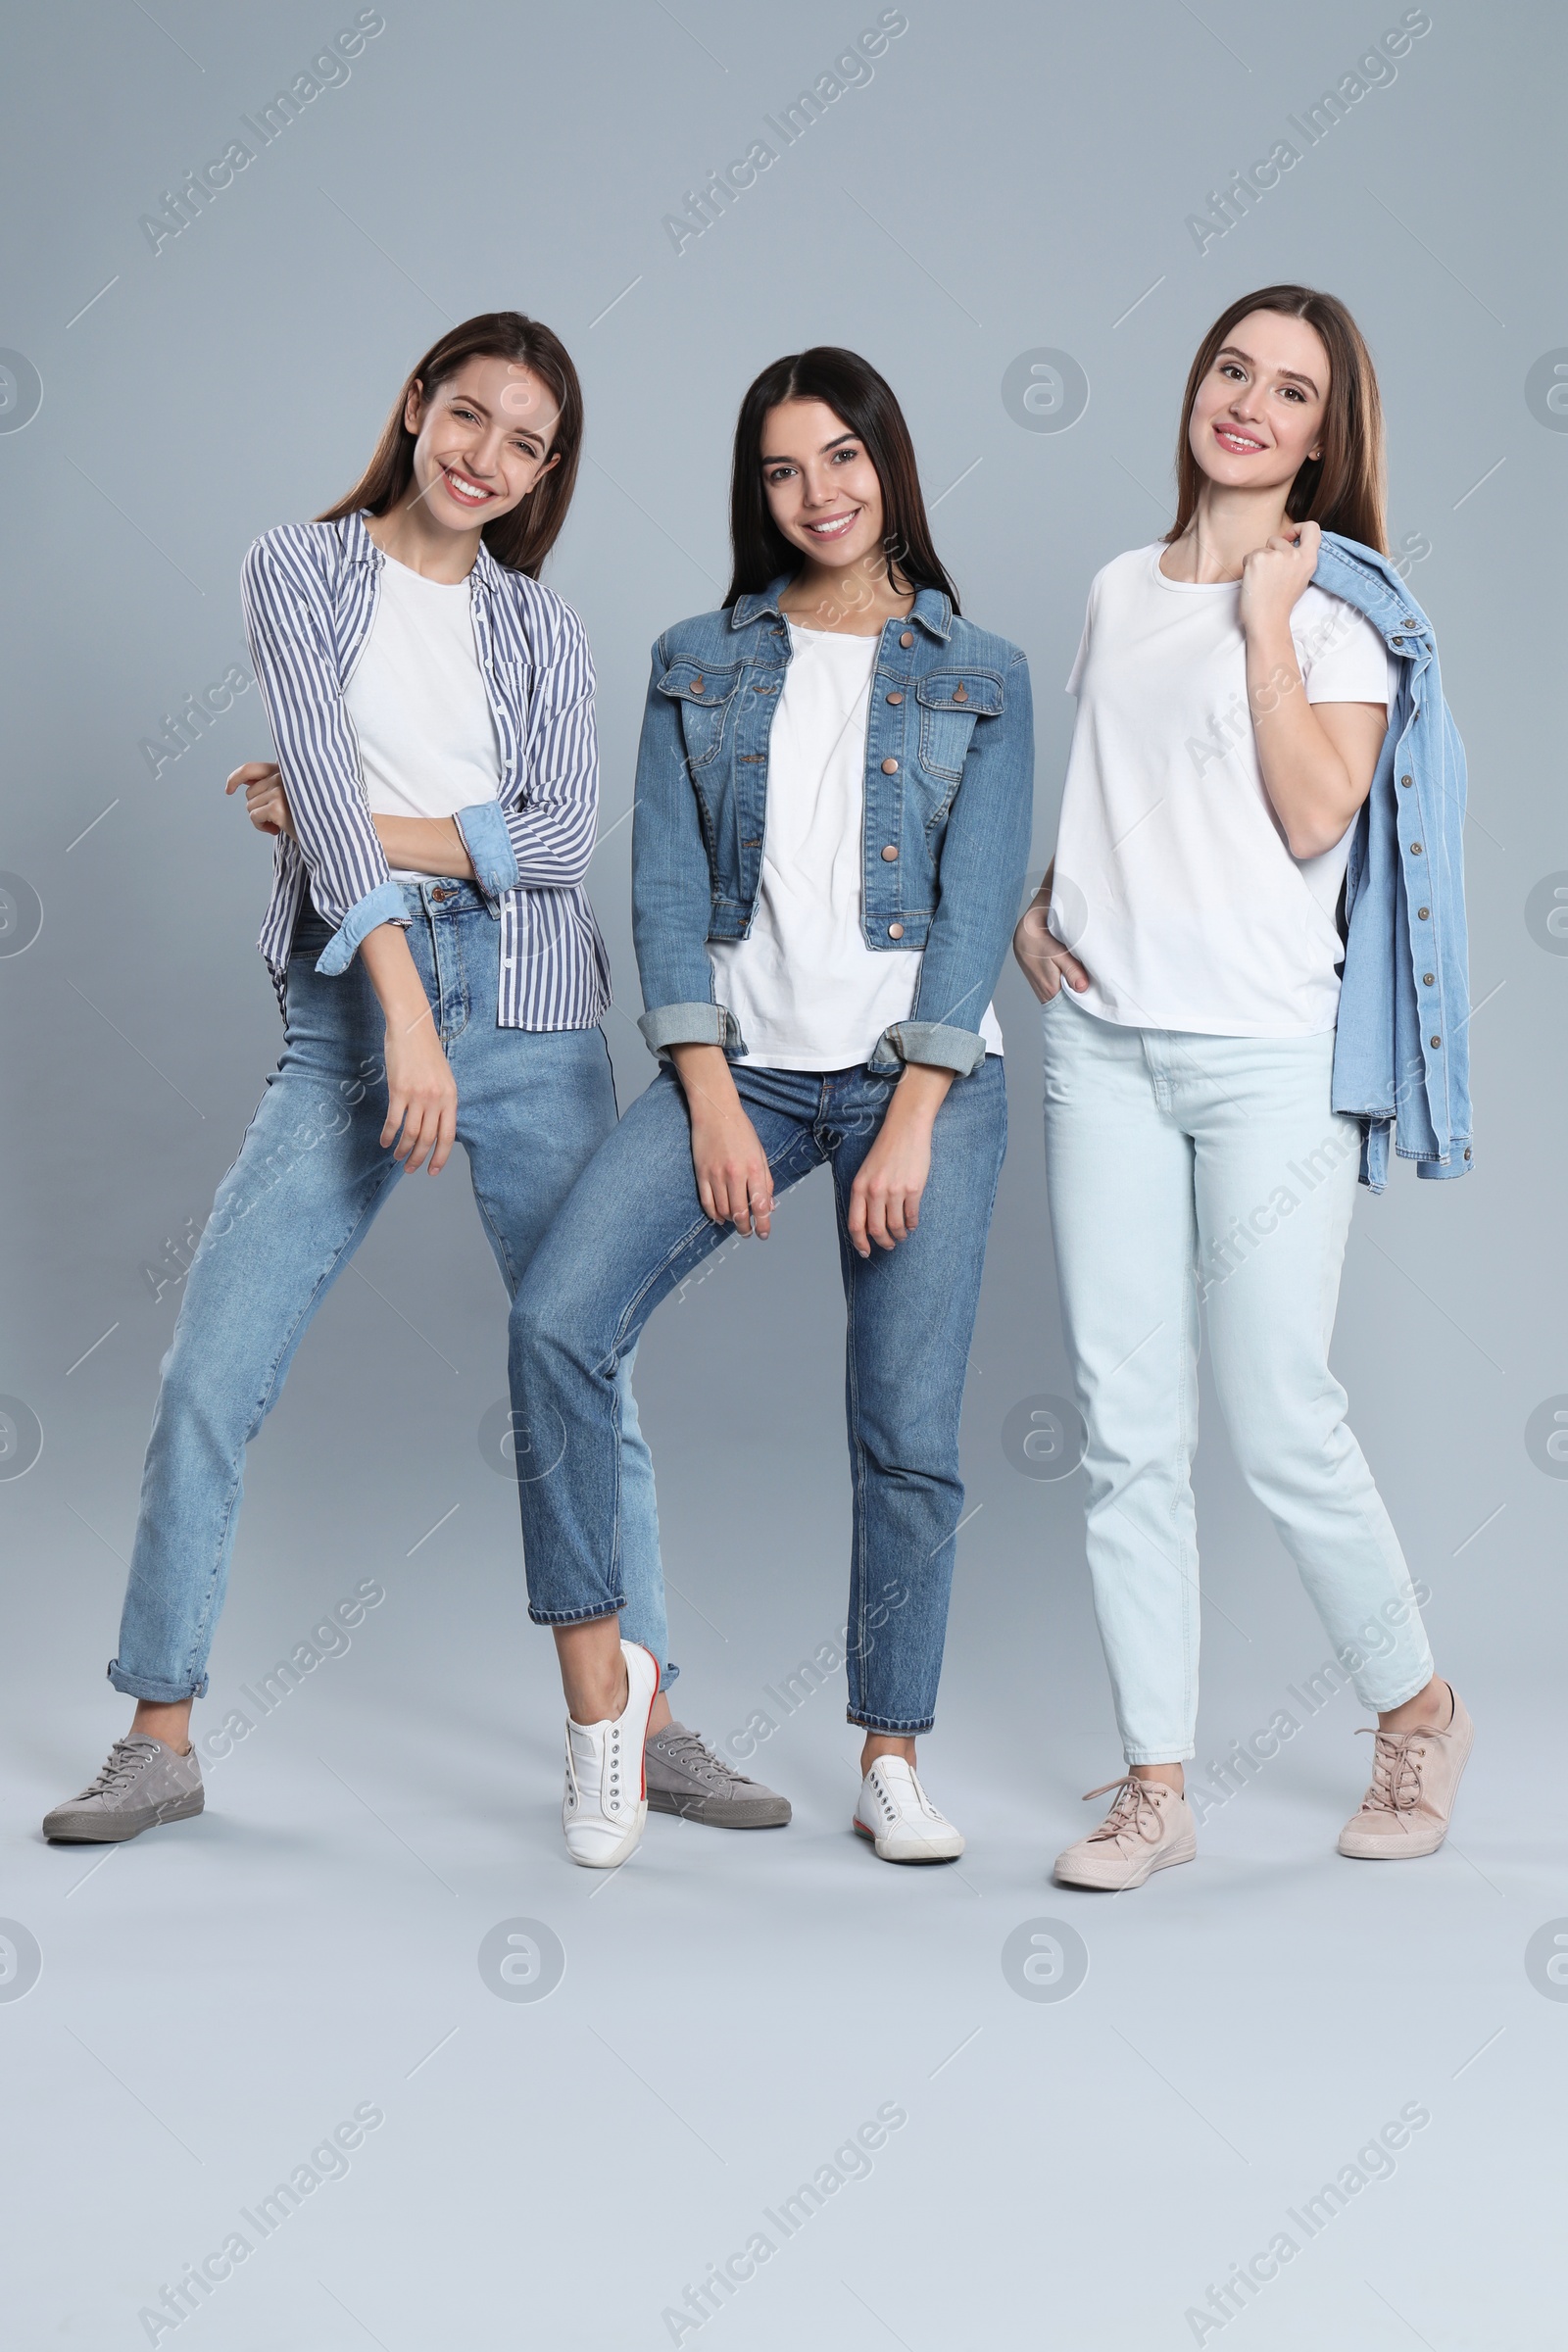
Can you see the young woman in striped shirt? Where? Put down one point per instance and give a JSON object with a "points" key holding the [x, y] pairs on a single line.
{"points": [[436, 958]]}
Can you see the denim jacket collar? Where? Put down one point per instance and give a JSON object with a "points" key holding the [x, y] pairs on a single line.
{"points": [[932, 610]]}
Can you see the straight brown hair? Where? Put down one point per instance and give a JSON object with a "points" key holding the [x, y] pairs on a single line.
{"points": [[853, 390], [1345, 489], [523, 538]]}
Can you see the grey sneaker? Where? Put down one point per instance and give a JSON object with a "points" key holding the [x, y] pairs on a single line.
{"points": [[144, 1782], [685, 1777]]}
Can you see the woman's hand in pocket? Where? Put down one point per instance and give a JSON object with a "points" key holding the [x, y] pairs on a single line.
{"points": [[266, 801], [1044, 959]]}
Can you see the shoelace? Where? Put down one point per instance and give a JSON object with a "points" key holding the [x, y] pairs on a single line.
{"points": [[1396, 1772], [1133, 1808], [690, 1751], [122, 1767]]}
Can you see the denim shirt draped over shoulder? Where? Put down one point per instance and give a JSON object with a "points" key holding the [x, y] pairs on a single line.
{"points": [[1401, 1055], [949, 800]]}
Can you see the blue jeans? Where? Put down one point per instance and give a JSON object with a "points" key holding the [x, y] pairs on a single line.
{"points": [[1212, 1171], [634, 1229], [533, 1107]]}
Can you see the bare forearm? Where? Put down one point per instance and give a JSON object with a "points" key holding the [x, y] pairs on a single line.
{"points": [[424, 845], [1307, 782], [920, 1092], [395, 978], [705, 1076]]}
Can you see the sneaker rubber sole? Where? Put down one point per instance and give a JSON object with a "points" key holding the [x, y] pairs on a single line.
{"points": [[919, 1860], [110, 1831], [723, 1813], [1185, 1849]]}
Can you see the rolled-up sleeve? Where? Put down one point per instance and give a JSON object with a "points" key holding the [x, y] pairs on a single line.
{"points": [[671, 889], [288, 626], [487, 838], [984, 857]]}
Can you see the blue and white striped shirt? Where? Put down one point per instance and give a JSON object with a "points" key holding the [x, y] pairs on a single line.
{"points": [[310, 593]]}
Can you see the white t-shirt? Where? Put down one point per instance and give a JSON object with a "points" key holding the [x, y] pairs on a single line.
{"points": [[417, 704], [1173, 879], [808, 991]]}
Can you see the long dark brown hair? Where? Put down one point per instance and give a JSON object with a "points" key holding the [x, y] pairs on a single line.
{"points": [[853, 390], [1345, 487], [523, 538]]}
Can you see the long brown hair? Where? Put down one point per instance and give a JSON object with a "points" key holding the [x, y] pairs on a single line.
{"points": [[853, 390], [523, 538], [1345, 488]]}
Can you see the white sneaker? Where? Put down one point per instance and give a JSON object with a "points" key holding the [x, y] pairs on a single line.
{"points": [[605, 1803], [900, 1819]]}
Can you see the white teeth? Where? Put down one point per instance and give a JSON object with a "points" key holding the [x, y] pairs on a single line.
{"points": [[462, 491]]}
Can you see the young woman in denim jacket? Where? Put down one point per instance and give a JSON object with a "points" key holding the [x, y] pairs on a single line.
{"points": [[833, 808], [438, 964], [1232, 840]]}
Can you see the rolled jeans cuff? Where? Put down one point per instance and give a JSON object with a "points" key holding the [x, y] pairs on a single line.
{"points": [[148, 1686], [592, 1616]]}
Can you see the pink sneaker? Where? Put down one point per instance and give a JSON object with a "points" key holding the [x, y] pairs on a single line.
{"points": [[1149, 1828], [1416, 1775]]}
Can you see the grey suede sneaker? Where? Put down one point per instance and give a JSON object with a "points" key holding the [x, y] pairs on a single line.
{"points": [[143, 1783], [685, 1777]]}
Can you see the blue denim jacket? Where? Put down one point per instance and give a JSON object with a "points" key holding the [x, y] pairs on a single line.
{"points": [[1401, 1056], [949, 799]]}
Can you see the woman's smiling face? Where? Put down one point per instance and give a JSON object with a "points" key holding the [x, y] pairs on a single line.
{"points": [[1257, 415], [483, 441], [823, 491]]}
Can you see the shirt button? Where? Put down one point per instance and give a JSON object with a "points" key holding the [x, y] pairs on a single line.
{"points": [[697, 685], [1423, 912], [1428, 979], [895, 930], [960, 694], [906, 637], [1407, 781], [1416, 849], [1467, 1150], [890, 767], [1435, 1042], [890, 853], [895, 698]]}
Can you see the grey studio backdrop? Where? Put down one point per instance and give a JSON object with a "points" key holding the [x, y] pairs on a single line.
{"points": [[596, 2098]]}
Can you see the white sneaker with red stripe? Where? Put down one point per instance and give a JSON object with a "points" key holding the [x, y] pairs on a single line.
{"points": [[605, 1803], [900, 1819]]}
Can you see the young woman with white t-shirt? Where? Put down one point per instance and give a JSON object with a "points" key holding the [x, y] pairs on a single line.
{"points": [[834, 789], [438, 965], [1230, 722]]}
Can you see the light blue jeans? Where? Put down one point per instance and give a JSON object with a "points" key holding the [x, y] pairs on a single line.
{"points": [[533, 1106], [1188, 1170]]}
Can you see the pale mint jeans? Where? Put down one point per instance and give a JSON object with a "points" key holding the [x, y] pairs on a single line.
{"points": [[1191, 1172]]}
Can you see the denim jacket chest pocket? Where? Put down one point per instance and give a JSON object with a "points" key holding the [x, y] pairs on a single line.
{"points": [[952, 703], [706, 696]]}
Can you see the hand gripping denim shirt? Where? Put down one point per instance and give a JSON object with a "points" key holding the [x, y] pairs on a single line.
{"points": [[1401, 1054], [944, 839], [311, 592]]}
